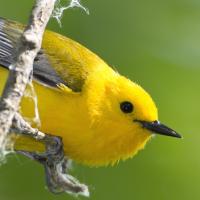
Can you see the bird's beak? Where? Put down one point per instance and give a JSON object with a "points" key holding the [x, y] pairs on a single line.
{"points": [[158, 128]]}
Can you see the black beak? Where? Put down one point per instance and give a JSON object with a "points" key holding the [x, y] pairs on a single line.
{"points": [[159, 128]]}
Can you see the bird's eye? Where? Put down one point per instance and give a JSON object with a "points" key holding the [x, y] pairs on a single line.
{"points": [[126, 107]]}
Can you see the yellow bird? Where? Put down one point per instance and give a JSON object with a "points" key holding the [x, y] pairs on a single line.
{"points": [[101, 116]]}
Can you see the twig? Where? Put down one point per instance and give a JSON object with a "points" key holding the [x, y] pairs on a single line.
{"points": [[53, 160], [19, 125]]}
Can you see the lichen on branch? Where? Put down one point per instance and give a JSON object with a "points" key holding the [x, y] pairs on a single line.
{"points": [[59, 9]]}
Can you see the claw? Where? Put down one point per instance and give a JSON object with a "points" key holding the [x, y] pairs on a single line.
{"points": [[55, 165]]}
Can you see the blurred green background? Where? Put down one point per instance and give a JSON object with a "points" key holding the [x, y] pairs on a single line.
{"points": [[157, 44]]}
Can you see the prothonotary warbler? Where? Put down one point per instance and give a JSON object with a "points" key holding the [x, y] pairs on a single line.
{"points": [[101, 116]]}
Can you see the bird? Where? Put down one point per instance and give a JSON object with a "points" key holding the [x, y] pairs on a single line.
{"points": [[101, 116]]}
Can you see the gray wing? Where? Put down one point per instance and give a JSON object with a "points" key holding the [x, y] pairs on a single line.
{"points": [[42, 70]]}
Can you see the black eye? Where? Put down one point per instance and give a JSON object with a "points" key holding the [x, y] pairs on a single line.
{"points": [[126, 107]]}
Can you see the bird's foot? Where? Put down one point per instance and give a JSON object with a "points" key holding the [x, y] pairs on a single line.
{"points": [[56, 166]]}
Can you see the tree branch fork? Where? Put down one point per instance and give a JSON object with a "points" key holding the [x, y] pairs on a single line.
{"points": [[20, 74]]}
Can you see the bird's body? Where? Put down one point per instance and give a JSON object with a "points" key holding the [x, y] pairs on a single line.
{"points": [[82, 100]]}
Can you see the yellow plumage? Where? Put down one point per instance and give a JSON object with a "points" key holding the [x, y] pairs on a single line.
{"points": [[85, 109]]}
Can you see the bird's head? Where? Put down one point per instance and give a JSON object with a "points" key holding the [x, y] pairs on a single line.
{"points": [[126, 117], [135, 107]]}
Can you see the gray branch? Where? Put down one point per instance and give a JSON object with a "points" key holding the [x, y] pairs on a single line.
{"points": [[21, 69], [20, 75]]}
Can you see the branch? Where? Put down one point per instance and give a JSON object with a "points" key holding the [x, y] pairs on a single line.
{"points": [[20, 74], [21, 69], [55, 163]]}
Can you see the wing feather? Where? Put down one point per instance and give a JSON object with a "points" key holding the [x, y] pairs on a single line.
{"points": [[60, 60], [10, 33]]}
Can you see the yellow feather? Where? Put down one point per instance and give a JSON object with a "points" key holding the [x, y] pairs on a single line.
{"points": [[94, 128]]}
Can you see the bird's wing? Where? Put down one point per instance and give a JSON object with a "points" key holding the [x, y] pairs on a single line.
{"points": [[60, 60]]}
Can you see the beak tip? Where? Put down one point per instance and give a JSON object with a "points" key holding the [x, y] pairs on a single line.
{"points": [[175, 134], [178, 136]]}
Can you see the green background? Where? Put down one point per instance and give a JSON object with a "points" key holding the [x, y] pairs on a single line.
{"points": [[157, 44]]}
